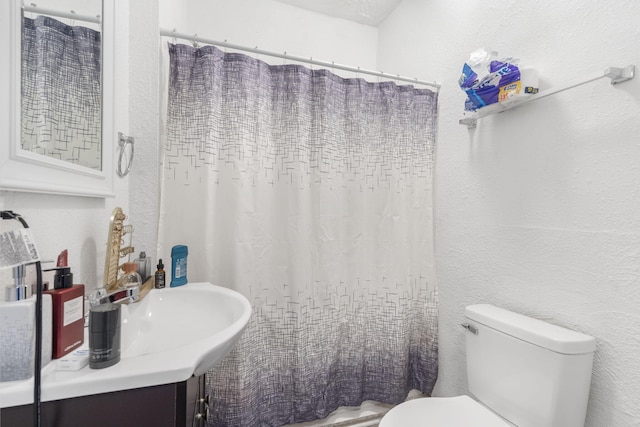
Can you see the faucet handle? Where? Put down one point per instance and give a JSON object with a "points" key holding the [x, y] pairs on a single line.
{"points": [[96, 296], [118, 296]]}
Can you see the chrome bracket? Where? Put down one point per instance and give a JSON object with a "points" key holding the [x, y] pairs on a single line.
{"points": [[470, 328], [619, 75], [469, 122]]}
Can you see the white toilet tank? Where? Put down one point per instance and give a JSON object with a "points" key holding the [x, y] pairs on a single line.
{"points": [[532, 373]]}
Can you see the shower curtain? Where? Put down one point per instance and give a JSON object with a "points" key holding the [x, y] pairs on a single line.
{"points": [[311, 194], [61, 91]]}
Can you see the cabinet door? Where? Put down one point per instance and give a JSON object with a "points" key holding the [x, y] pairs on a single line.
{"points": [[149, 406], [182, 404], [196, 402]]}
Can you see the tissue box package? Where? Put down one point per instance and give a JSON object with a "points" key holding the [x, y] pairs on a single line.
{"points": [[18, 337]]}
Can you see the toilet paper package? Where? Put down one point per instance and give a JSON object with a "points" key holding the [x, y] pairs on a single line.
{"points": [[488, 79]]}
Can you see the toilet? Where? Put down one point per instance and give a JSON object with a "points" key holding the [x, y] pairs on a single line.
{"points": [[521, 372]]}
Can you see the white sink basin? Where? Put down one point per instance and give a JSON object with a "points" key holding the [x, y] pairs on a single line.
{"points": [[169, 336], [198, 318]]}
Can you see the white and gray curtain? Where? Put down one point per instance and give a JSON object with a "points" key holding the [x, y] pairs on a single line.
{"points": [[311, 194], [61, 91]]}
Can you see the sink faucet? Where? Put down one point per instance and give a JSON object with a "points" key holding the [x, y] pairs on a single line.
{"points": [[118, 296], [125, 290]]}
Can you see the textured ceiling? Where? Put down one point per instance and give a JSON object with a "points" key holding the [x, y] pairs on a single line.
{"points": [[368, 12]]}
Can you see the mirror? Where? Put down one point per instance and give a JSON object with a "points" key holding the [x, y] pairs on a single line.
{"points": [[61, 81], [60, 112]]}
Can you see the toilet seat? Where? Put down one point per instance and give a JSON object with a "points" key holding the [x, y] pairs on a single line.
{"points": [[459, 411]]}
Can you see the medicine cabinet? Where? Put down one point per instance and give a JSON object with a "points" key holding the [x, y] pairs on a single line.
{"points": [[31, 163]]}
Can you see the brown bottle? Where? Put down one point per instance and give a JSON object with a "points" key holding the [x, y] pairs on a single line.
{"points": [[159, 277]]}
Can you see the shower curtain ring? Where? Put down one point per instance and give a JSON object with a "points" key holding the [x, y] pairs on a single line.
{"points": [[31, 13]]}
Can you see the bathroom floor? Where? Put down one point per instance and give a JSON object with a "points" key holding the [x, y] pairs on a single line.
{"points": [[368, 414]]}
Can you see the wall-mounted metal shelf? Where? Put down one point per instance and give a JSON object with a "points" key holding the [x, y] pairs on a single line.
{"points": [[617, 75]]}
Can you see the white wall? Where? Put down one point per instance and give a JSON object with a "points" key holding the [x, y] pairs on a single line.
{"points": [[144, 116], [537, 209], [274, 26]]}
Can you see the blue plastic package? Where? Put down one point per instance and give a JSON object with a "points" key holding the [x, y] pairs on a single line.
{"points": [[468, 77], [487, 80], [487, 92], [179, 265]]}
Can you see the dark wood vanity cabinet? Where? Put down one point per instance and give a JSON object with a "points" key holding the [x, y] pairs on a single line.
{"points": [[182, 404]]}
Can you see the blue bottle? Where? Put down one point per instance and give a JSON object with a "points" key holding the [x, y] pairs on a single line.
{"points": [[179, 265]]}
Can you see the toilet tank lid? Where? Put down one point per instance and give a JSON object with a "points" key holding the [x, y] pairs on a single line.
{"points": [[534, 331]]}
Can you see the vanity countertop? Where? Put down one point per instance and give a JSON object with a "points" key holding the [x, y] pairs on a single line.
{"points": [[142, 371], [168, 337]]}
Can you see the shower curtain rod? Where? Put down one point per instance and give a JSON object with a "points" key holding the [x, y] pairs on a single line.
{"points": [[194, 38], [60, 14]]}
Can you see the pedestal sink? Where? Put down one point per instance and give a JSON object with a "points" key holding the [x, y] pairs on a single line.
{"points": [[168, 337], [198, 320]]}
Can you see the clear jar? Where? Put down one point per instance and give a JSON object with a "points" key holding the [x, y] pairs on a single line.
{"points": [[130, 278]]}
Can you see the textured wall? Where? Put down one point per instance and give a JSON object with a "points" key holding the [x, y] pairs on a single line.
{"points": [[144, 113], [537, 209], [274, 26]]}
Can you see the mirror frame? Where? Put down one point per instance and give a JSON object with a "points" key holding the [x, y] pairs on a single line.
{"points": [[21, 170]]}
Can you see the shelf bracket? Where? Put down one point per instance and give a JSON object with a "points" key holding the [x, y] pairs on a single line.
{"points": [[469, 122], [619, 75]]}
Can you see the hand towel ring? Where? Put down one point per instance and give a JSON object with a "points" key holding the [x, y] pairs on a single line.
{"points": [[126, 144]]}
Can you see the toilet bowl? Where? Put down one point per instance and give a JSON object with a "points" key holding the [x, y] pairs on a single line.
{"points": [[442, 412], [521, 372]]}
